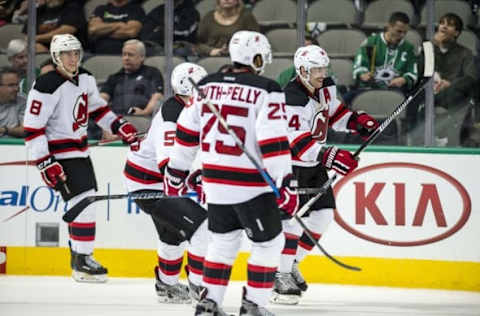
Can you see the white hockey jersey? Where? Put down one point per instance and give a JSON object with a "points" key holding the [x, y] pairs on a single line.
{"points": [[254, 108], [310, 116], [57, 112], [144, 168]]}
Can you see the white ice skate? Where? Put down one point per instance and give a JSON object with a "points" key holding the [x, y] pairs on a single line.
{"points": [[285, 290]]}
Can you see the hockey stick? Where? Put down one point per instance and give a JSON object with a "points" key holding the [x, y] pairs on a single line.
{"points": [[108, 141], [427, 74], [17, 213], [78, 208], [237, 140]]}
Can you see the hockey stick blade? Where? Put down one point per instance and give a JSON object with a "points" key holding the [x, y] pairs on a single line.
{"points": [[237, 140], [329, 256], [78, 208], [427, 74]]}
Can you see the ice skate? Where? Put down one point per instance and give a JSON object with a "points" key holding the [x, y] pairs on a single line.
{"points": [[298, 277], [285, 290], [249, 308], [86, 269], [194, 290], [206, 306], [174, 294]]}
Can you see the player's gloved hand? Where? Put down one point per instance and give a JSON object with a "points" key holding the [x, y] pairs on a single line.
{"points": [[51, 171], [174, 182], [194, 183], [361, 123], [342, 161], [126, 131], [289, 200]]}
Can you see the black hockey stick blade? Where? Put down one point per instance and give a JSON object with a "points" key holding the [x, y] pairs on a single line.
{"points": [[329, 256], [78, 208]]}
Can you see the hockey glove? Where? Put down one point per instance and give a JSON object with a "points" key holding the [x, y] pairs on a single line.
{"points": [[174, 182], [342, 161], [289, 200], [194, 183], [361, 123], [126, 131], [51, 171]]}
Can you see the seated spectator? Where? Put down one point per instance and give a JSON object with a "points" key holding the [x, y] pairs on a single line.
{"points": [[12, 106], [218, 25], [455, 73], [7, 8], [58, 17], [114, 23], [18, 57], [455, 76], [386, 60], [47, 66], [136, 88], [20, 15], [185, 26]]}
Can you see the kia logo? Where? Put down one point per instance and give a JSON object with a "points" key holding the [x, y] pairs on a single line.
{"points": [[401, 204]]}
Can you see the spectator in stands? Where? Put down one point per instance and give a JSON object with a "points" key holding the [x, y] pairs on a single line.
{"points": [[455, 73], [186, 19], [18, 58], [114, 23], [58, 17], [7, 8], [47, 66], [218, 25], [12, 106], [386, 60], [136, 88]]}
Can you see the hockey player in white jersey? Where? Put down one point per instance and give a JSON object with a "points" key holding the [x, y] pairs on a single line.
{"points": [[56, 119], [238, 198], [313, 107], [176, 220]]}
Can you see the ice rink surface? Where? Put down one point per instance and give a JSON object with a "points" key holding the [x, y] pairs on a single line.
{"points": [[52, 296]]}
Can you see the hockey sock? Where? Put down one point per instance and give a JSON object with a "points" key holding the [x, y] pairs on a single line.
{"points": [[195, 268], [197, 250], [317, 222], [262, 265], [288, 253], [82, 230], [217, 267], [169, 270], [170, 258]]}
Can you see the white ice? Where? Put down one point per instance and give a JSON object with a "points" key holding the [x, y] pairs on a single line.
{"points": [[52, 296]]}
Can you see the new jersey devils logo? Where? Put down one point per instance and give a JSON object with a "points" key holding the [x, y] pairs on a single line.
{"points": [[80, 112]]}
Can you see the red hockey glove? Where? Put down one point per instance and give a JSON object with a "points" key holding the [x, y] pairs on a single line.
{"points": [[126, 131], [174, 182], [342, 161], [362, 123], [51, 171], [194, 183], [289, 200]]}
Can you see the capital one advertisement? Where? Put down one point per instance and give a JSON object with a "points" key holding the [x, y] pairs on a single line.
{"points": [[394, 205]]}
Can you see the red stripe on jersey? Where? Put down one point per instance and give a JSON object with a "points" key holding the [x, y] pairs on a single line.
{"points": [[32, 133], [188, 131], [232, 176], [99, 113], [302, 143], [140, 168], [272, 140], [339, 113], [170, 262], [39, 160], [226, 168], [82, 238], [67, 140]]}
